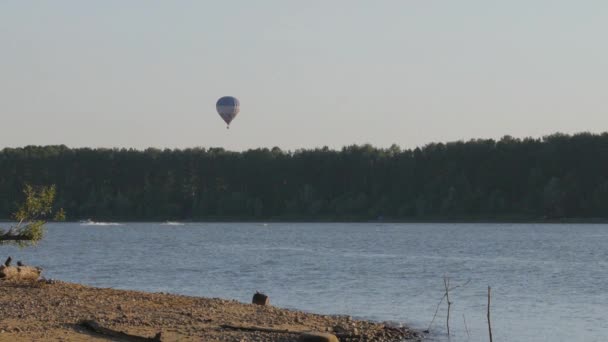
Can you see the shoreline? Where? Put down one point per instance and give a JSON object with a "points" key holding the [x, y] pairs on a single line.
{"points": [[55, 310], [384, 221]]}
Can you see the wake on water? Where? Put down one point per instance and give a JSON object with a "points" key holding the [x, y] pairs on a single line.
{"points": [[93, 223], [169, 223]]}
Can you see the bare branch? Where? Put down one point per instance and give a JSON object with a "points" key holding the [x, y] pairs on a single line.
{"points": [[465, 326], [461, 285], [445, 295], [446, 283], [435, 315], [489, 323]]}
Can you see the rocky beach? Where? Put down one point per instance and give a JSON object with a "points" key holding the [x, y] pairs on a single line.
{"points": [[46, 310]]}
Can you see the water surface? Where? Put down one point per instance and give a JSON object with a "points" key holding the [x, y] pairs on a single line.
{"points": [[548, 281]]}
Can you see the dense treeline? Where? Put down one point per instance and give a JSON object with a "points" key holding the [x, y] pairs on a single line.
{"points": [[554, 177]]}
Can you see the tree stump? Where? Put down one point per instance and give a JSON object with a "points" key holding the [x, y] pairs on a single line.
{"points": [[260, 299]]}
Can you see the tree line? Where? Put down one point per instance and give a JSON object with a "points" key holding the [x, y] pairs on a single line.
{"points": [[554, 177]]}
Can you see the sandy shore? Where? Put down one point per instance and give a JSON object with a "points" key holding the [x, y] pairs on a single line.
{"points": [[44, 311]]}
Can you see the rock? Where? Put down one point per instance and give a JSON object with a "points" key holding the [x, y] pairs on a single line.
{"points": [[340, 329], [260, 299], [317, 337]]}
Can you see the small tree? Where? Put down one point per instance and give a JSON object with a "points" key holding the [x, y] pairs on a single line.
{"points": [[31, 216]]}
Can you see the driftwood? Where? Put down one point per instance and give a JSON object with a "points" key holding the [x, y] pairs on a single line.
{"points": [[19, 273], [305, 336], [96, 328], [262, 329]]}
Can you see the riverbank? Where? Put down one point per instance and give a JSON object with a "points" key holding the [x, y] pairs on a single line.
{"points": [[55, 311]]}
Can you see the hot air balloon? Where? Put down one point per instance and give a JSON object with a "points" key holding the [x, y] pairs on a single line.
{"points": [[228, 107]]}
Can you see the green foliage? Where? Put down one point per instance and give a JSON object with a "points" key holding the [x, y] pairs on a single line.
{"points": [[554, 177], [31, 216]]}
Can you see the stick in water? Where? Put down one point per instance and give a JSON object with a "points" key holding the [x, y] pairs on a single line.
{"points": [[489, 324], [465, 326], [441, 301], [446, 282], [435, 315]]}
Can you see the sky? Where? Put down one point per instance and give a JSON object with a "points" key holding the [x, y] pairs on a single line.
{"points": [[307, 73]]}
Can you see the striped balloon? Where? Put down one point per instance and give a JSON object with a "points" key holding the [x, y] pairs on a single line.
{"points": [[228, 107]]}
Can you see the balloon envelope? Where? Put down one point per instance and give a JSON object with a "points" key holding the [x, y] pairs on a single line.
{"points": [[228, 107]]}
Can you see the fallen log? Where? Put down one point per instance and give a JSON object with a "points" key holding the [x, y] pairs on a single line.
{"points": [[304, 336], [261, 329], [98, 329], [19, 273]]}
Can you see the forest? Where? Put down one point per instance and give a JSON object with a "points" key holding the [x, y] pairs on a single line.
{"points": [[551, 178]]}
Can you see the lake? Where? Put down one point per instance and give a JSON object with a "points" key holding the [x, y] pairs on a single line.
{"points": [[549, 281]]}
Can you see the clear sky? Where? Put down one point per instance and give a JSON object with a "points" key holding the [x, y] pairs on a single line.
{"points": [[307, 73]]}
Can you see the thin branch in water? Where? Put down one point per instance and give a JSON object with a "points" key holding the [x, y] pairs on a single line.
{"points": [[441, 301], [461, 285], [489, 323], [446, 283], [465, 326], [435, 315]]}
